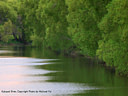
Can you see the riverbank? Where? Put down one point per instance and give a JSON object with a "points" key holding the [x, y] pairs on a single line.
{"points": [[12, 43], [113, 69], [73, 54]]}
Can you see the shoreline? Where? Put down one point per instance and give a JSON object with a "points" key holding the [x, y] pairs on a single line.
{"points": [[75, 54]]}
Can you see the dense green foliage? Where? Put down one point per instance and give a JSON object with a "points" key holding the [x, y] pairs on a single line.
{"points": [[113, 47], [53, 19], [10, 21], [7, 18], [82, 25], [92, 27]]}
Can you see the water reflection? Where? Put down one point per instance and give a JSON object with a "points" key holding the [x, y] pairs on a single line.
{"points": [[18, 73], [5, 51], [33, 69]]}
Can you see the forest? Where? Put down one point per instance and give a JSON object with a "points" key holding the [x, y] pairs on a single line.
{"points": [[95, 28]]}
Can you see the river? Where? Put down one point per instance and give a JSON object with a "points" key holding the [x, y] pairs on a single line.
{"points": [[26, 71]]}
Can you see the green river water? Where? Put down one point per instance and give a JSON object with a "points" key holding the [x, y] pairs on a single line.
{"points": [[26, 71]]}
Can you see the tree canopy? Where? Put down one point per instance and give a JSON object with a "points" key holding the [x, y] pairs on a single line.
{"points": [[92, 27]]}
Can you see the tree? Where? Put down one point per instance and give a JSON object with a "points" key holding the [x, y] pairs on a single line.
{"points": [[6, 12], [114, 27], [83, 27], [53, 16], [7, 18]]}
